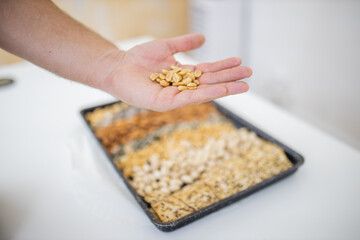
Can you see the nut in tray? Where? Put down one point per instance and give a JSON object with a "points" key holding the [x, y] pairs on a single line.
{"points": [[184, 160]]}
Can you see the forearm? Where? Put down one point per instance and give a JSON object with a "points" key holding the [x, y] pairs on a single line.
{"points": [[43, 34], [40, 32]]}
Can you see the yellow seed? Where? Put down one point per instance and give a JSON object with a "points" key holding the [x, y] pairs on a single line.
{"points": [[184, 71], [154, 76], [176, 77], [197, 73], [182, 88], [175, 68], [187, 80], [164, 83], [191, 85], [190, 75], [169, 76], [182, 78], [162, 76], [178, 84]]}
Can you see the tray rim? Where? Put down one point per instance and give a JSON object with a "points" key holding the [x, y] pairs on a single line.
{"points": [[236, 120]]}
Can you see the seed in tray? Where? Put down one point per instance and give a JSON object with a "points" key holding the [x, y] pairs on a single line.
{"points": [[148, 189], [157, 174], [175, 181], [194, 175], [174, 188], [213, 160], [146, 168], [163, 184], [142, 125], [164, 190], [186, 179]]}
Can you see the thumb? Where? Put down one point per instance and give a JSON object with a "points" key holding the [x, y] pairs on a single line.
{"points": [[185, 43]]}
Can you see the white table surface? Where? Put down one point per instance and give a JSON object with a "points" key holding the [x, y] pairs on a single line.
{"points": [[55, 182]]}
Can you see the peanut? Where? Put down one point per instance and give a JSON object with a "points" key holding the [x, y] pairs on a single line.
{"points": [[191, 85], [162, 76], [178, 77], [154, 76], [197, 73], [169, 76], [191, 75], [176, 69], [182, 88], [164, 83], [184, 71], [179, 84], [187, 81]]}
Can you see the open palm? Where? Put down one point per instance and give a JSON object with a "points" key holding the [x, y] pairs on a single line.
{"points": [[130, 81]]}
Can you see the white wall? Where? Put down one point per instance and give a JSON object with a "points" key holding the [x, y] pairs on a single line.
{"points": [[220, 21], [305, 55], [306, 58]]}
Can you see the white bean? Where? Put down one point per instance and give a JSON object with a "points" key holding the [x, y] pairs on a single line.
{"points": [[157, 174], [164, 171], [194, 174], [174, 188], [175, 182], [186, 179], [164, 190], [146, 168], [163, 184], [155, 185], [148, 189]]}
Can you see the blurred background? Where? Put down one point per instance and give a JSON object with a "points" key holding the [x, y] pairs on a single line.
{"points": [[305, 54]]}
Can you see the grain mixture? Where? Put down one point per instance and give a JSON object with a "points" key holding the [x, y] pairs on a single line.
{"points": [[187, 159]]}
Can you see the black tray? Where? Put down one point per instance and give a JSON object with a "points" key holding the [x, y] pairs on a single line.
{"points": [[296, 159]]}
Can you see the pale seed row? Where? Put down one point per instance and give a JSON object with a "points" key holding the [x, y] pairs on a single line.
{"points": [[165, 176], [183, 78]]}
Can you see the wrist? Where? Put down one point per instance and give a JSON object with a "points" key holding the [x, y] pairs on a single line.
{"points": [[102, 75]]}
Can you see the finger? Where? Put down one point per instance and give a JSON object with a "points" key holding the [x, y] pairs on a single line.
{"points": [[227, 75], [191, 67], [208, 92], [185, 42], [215, 66], [219, 65]]}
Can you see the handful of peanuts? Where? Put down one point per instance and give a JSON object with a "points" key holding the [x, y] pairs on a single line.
{"points": [[183, 78]]}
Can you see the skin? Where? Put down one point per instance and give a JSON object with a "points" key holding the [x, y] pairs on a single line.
{"points": [[40, 32]]}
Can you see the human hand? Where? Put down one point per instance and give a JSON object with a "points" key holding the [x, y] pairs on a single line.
{"points": [[129, 78]]}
